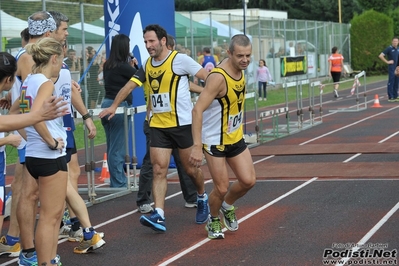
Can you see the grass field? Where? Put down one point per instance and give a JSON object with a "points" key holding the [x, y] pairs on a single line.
{"points": [[274, 96]]}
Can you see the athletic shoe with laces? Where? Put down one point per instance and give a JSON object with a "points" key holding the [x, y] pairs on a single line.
{"points": [[154, 221], [24, 261], [11, 251], [86, 246], [77, 236], [64, 231], [230, 218], [214, 228], [56, 261], [66, 219], [202, 210], [145, 208]]}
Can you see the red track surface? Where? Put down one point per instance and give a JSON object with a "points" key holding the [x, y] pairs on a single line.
{"points": [[306, 199]]}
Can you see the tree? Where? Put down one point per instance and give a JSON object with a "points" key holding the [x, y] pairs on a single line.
{"points": [[366, 45], [394, 14], [383, 6]]}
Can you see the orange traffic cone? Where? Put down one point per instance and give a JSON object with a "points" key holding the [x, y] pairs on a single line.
{"points": [[104, 170], [376, 102]]}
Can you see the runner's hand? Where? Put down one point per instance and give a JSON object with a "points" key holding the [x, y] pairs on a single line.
{"points": [[196, 156], [53, 107]]}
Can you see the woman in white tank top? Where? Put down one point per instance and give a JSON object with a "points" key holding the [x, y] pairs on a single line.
{"points": [[45, 150]]}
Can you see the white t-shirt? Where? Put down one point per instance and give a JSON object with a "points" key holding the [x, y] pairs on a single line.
{"points": [[36, 147]]}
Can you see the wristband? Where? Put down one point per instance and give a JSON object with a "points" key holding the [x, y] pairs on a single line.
{"points": [[86, 116], [55, 146]]}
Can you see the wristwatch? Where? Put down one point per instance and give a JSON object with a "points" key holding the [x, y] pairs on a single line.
{"points": [[86, 116]]}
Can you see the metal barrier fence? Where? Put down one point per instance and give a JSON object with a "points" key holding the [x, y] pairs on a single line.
{"points": [[276, 122]]}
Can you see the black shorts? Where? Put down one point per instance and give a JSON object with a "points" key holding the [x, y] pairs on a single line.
{"points": [[70, 151], [227, 151], [336, 76], [171, 138], [45, 167]]}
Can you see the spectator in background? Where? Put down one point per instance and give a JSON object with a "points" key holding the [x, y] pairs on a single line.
{"points": [[218, 54], [299, 49], [208, 62], [391, 53], [93, 88], [118, 70], [100, 76], [290, 45], [271, 53], [263, 76], [200, 56], [280, 52], [73, 61], [25, 36], [336, 61]]}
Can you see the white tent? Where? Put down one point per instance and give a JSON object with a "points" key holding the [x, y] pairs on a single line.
{"points": [[226, 31], [11, 27], [223, 30], [89, 28]]}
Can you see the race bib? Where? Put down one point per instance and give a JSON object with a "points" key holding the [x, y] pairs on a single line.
{"points": [[234, 123], [160, 103]]}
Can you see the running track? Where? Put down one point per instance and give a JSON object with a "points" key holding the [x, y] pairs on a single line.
{"points": [[335, 183]]}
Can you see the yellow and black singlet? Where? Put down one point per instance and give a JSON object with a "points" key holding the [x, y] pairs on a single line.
{"points": [[222, 120], [170, 97]]}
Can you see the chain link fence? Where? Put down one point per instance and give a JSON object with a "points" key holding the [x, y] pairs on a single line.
{"points": [[271, 38]]}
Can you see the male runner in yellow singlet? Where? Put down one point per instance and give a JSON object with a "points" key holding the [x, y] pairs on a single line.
{"points": [[217, 130]]}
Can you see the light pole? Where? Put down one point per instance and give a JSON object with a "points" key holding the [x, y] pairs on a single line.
{"points": [[339, 11], [244, 3]]}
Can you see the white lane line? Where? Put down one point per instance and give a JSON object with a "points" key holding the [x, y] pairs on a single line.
{"points": [[352, 157], [371, 232], [206, 240], [381, 141], [349, 125], [389, 137], [264, 159]]}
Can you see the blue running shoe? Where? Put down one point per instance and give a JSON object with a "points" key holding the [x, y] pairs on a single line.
{"points": [[202, 210], [56, 260], [154, 221], [24, 261]]}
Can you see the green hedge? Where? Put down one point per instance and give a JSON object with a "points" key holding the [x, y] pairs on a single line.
{"points": [[371, 32]]}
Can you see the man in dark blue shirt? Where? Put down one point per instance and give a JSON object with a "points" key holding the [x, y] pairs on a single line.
{"points": [[391, 52]]}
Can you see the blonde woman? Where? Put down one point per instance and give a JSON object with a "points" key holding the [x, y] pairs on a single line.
{"points": [[45, 150]]}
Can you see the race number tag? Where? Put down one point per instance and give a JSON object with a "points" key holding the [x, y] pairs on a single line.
{"points": [[234, 122], [160, 103]]}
